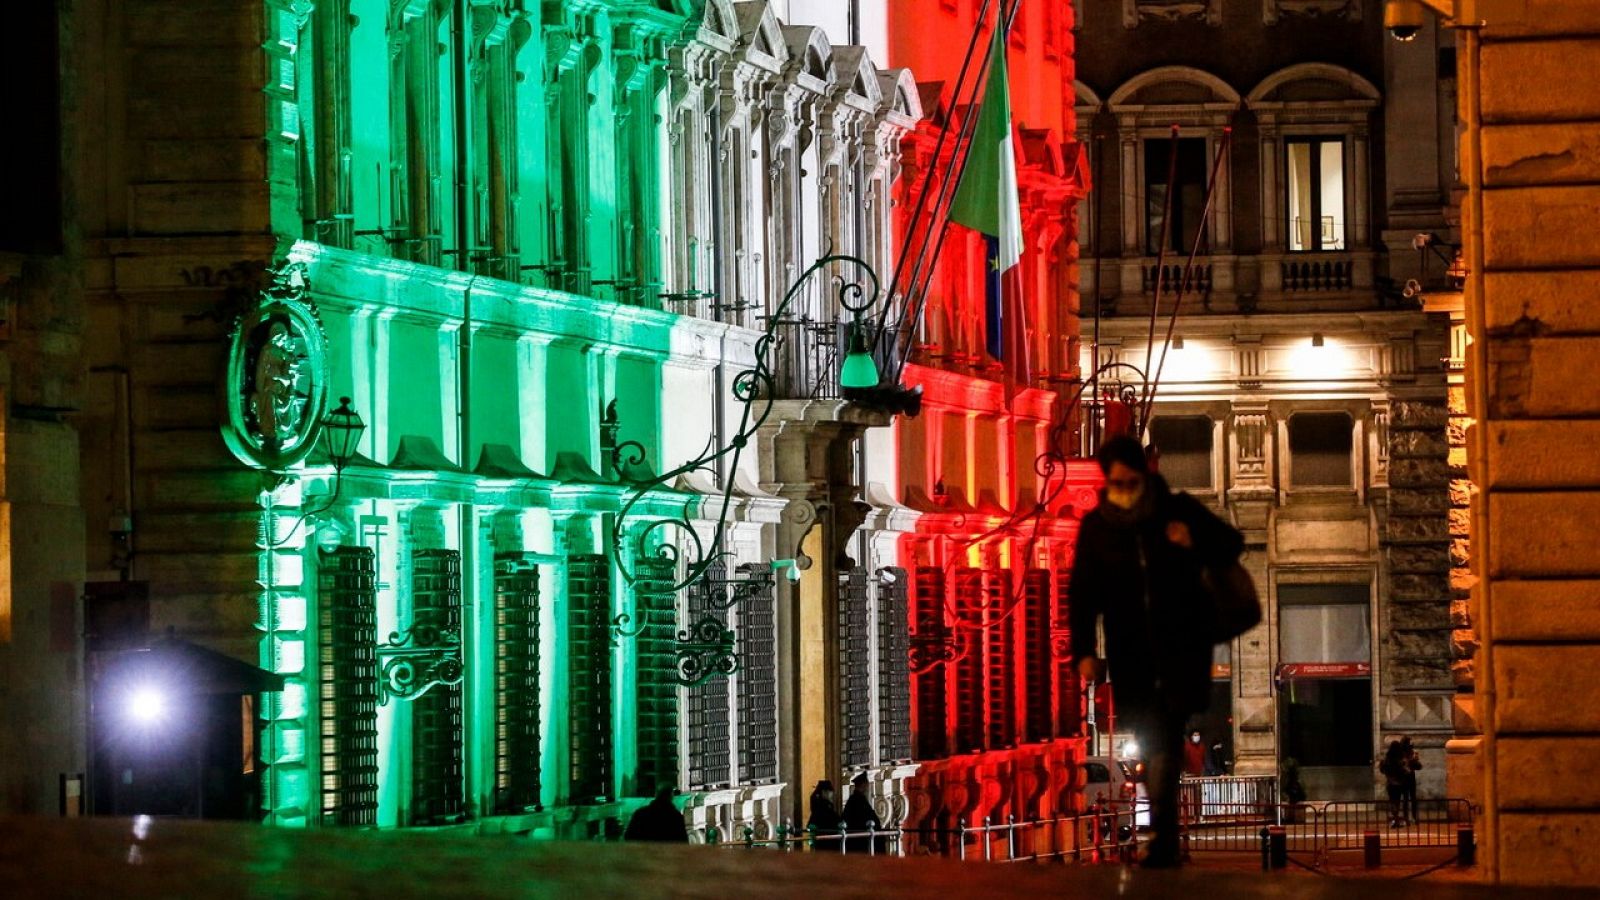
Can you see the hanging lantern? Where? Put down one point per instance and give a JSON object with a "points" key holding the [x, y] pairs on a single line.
{"points": [[859, 370], [342, 429]]}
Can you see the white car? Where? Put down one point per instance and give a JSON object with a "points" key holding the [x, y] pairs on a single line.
{"points": [[1116, 784]]}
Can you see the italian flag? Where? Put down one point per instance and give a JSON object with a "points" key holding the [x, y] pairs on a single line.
{"points": [[986, 201]]}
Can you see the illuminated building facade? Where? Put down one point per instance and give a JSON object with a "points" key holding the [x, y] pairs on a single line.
{"points": [[1303, 392], [996, 714], [532, 246]]}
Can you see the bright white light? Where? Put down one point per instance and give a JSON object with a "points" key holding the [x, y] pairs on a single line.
{"points": [[147, 705], [1131, 749], [1187, 363]]}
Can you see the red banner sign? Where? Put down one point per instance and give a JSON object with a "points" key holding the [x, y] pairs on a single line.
{"points": [[1288, 671]]}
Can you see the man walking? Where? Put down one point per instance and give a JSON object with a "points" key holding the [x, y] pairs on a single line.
{"points": [[1138, 569]]}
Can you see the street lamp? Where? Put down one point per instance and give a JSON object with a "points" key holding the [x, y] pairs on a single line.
{"points": [[859, 370], [342, 429], [146, 705]]}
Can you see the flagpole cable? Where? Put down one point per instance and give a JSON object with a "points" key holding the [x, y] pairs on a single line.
{"points": [[1188, 273], [959, 157], [949, 178], [1161, 260], [927, 177], [1096, 164]]}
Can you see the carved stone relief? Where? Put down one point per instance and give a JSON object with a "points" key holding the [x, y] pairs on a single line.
{"points": [[1272, 10], [1136, 11]]}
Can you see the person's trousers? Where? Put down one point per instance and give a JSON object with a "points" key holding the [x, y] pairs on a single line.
{"points": [[1162, 736]]}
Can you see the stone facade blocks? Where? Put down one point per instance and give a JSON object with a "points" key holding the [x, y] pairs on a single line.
{"points": [[1544, 534], [1533, 377], [1528, 772], [1547, 610], [1548, 847], [1554, 688], [1541, 154], [1542, 302], [1533, 81], [1530, 227], [1541, 454]]}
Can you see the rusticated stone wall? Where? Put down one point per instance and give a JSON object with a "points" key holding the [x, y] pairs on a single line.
{"points": [[1532, 162], [1416, 619]]}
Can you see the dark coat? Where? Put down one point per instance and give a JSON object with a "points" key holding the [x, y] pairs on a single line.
{"points": [[1148, 591], [824, 816], [858, 813], [658, 820]]}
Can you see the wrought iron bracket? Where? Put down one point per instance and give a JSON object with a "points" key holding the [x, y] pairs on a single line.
{"points": [[705, 649], [413, 661]]}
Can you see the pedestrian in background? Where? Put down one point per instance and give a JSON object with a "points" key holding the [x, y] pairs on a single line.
{"points": [[1410, 762], [1141, 558], [824, 815], [1194, 755], [859, 815], [659, 821], [1392, 768]]}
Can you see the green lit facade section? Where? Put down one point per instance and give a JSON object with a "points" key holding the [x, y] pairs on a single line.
{"points": [[476, 191]]}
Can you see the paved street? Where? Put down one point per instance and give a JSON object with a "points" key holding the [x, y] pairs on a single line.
{"points": [[169, 859]]}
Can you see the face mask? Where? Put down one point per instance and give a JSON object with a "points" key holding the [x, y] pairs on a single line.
{"points": [[1123, 499], [1195, 739]]}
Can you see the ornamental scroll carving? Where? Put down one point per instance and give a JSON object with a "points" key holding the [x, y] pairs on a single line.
{"points": [[1273, 10], [1136, 11], [1250, 431]]}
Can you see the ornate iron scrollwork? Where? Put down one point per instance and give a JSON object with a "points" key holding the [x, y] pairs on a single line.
{"points": [[416, 659], [705, 649], [754, 389], [928, 652]]}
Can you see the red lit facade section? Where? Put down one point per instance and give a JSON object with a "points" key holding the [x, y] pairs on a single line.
{"points": [[992, 463]]}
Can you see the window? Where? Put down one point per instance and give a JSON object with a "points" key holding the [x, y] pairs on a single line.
{"points": [[1316, 193], [1319, 449], [1185, 445], [1323, 623], [1189, 201], [33, 109]]}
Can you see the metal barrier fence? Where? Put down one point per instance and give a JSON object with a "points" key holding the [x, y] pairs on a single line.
{"points": [[1202, 799], [1321, 828]]}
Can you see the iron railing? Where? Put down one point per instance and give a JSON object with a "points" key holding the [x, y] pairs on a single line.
{"points": [[1111, 832], [807, 354]]}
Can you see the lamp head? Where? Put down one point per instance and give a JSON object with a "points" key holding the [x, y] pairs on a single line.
{"points": [[859, 370], [146, 705], [342, 429]]}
